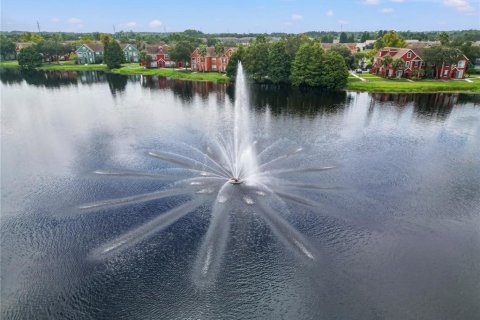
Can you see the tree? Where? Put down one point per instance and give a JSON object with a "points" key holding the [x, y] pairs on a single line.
{"points": [[31, 37], [105, 38], [437, 56], [256, 59], [202, 51], [279, 63], [235, 58], [7, 48], [444, 38], [393, 39], [343, 37], [397, 64], [344, 52], [386, 61], [335, 71], [219, 48], [113, 55], [299, 76], [181, 51], [359, 59], [365, 37], [85, 39], [29, 58]]}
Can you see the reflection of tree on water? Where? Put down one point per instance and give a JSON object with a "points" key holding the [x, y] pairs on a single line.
{"points": [[116, 82], [52, 79], [299, 101]]}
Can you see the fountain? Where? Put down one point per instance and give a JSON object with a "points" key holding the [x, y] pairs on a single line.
{"points": [[229, 176]]}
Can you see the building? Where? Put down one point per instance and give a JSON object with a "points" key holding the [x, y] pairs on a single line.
{"points": [[211, 61], [90, 53], [413, 62], [20, 45], [131, 52], [352, 46], [160, 57]]}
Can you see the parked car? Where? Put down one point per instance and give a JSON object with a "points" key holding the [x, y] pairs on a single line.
{"points": [[359, 71]]}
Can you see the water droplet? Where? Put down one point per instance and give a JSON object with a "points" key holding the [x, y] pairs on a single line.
{"points": [[260, 193], [205, 191], [248, 200]]}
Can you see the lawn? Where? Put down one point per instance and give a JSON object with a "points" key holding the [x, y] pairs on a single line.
{"points": [[172, 73], [9, 64], [378, 84]]}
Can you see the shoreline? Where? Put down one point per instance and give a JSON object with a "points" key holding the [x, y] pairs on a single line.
{"points": [[373, 84]]}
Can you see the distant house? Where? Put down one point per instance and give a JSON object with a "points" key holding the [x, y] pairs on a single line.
{"points": [[90, 53], [211, 61], [131, 52], [160, 57], [20, 45], [352, 46], [413, 62]]}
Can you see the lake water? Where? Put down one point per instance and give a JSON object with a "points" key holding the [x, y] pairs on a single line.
{"points": [[398, 238]]}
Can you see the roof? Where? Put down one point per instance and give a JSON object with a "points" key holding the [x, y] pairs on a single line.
{"points": [[211, 52], [352, 46], [124, 45], [96, 46], [156, 48]]}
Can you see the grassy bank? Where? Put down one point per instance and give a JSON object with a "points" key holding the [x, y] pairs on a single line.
{"points": [[372, 83], [378, 84], [172, 73], [128, 69]]}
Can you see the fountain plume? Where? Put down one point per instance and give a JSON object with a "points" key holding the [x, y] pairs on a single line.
{"points": [[231, 176]]}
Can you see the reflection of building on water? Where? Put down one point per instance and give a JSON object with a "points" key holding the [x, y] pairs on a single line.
{"points": [[186, 90], [91, 76], [433, 105]]}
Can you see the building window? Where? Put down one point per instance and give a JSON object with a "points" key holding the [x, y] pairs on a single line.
{"points": [[409, 54], [214, 59], [461, 64], [445, 73], [407, 64]]}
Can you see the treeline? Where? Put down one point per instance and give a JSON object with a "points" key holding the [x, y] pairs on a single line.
{"points": [[323, 36], [295, 60]]}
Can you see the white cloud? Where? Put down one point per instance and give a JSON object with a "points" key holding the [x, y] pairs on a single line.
{"points": [[55, 20], [155, 24], [386, 10], [75, 21], [297, 17], [370, 2], [330, 13], [342, 21], [131, 24], [460, 5]]}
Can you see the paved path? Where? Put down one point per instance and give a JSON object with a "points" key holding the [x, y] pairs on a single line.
{"points": [[468, 80], [410, 80], [362, 79]]}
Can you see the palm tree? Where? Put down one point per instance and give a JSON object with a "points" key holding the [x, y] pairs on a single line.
{"points": [[202, 51], [398, 63], [386, 61]]}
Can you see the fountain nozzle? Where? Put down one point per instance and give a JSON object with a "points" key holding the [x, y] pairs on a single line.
{"points": [[235, 180]]}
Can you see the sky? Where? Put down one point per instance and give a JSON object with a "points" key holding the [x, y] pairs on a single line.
{"points": [[241, 16]]}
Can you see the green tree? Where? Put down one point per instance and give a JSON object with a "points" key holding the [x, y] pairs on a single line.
{"points": [[335, 71], [393, 39], [113, 55], [343, 37], [182, 51], [279, 63], [235, 58], [29, 58], [345, 52], [202, 51], [7, 48], [365, 37], [307, 67], [256, 59], [219, 48], [444, 38], [359, 59], [437, 56]]}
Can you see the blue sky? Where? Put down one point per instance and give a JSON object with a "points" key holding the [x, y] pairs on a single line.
{"points": [[240, 16]]}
